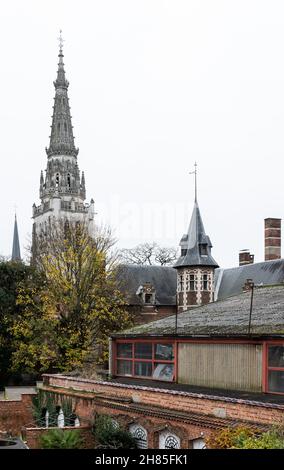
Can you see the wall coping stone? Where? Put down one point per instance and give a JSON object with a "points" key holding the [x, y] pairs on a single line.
{"points": [[160, 390]]}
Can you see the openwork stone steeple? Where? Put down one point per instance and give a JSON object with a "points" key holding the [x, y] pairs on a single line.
{"points": [[61, 138], [62, 188]]}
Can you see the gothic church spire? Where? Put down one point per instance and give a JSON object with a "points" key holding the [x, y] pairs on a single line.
{"points": [[61, 138], [16, 252]]}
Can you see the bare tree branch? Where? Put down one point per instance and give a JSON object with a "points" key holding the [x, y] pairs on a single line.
{"points": [[148, 254]]}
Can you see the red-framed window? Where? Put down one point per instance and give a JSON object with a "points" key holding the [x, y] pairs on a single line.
{"points": [[275, 367], [146, 359]]}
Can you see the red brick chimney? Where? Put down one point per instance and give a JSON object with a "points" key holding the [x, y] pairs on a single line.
{"points": [[245, 257], [272, 239]]}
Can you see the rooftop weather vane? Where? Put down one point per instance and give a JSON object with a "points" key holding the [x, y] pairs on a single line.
{"points": [[195, 181]]}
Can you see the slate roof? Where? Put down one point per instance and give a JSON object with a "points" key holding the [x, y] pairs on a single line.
{"points": [[163, 278], [230, 282], [191, 242], [225, 317]]}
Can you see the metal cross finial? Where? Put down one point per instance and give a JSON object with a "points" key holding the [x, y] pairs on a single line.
{"points": [[195, 181], [61, 40]]}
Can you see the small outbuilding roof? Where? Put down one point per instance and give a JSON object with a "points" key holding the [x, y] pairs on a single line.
{"points": [[225, 317]]}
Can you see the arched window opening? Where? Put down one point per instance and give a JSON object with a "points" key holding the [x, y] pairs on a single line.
{"points": [[65, 127], [168, 440], [69, 181], [58, 127], [140, 436], [57, 180]]}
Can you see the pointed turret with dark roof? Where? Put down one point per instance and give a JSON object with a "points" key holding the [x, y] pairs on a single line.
{"points": [[195, 244], [16, 252], [195, 265]]}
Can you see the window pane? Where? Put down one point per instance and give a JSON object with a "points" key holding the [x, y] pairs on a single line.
{"points": [[148, 298], [164, 351], [124, 349], [124, 367], [143, 350], [164, 372], [276, 381], [143, 369], [276, 356]]}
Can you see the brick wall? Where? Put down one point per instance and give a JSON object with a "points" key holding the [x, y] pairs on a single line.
{"points": [[32, 436], [123, 402], [239, 409], [14, 414], [143, 315]]}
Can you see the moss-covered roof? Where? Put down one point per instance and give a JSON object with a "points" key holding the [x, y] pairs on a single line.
{"points": [[225, 317]]}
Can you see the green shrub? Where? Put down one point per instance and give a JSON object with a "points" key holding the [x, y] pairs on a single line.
{"points": [[111, 436], [245, 438], [267, 440], [228, 438], [59, 439]]}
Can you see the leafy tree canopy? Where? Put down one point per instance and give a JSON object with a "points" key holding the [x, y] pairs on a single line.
{"points": [[72, 304]]}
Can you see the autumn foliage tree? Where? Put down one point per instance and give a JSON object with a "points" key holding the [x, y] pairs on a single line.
{"points": [[73, 303]]}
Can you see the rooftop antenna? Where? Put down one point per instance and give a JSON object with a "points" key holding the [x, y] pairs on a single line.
{"points": [[195, 181]]}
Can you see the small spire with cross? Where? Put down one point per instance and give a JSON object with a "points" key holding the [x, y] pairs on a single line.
{"points": [[195, 181]]}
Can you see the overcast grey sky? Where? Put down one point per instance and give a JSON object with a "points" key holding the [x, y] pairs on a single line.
{"points": [[154, 86]]}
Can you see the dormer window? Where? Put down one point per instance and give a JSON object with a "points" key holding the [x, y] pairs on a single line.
{"points": [[148, 298], [147, 293], [203, 249], [183, 251]]}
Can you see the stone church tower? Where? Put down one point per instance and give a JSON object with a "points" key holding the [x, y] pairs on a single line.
{"points": [[62, 188], [195, 267]]}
